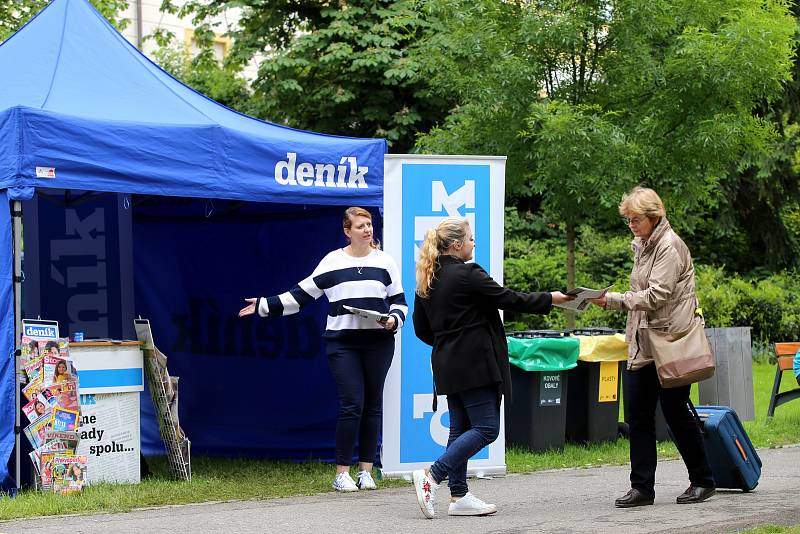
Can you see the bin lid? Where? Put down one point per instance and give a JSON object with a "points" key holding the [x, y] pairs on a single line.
{"points": [[532, 334], [607, 348], [594, 331], [543, 353]]}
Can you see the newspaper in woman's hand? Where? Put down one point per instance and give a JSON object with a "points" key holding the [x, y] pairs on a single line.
{"points": [[582, 294], [366, 314]]}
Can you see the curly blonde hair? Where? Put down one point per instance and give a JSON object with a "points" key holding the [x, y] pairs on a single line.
{"points": [[437, 240]]}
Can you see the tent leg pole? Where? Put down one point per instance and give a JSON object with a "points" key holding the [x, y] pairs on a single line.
{"points": [[17, 230]]}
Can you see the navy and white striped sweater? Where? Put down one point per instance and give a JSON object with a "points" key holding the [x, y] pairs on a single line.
{"points": [[371, 283]]}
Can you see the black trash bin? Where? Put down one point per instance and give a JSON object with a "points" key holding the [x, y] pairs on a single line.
{"points": [[594, 392], [536, 417]]}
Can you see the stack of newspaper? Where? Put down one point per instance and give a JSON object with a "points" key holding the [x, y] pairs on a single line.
{"points": [[53, 411]]}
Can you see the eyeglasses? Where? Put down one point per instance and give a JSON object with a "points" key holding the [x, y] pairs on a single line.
{"points": [[635, 221]]}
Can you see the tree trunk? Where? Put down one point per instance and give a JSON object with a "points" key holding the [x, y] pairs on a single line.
{"points": [[570, 269]]}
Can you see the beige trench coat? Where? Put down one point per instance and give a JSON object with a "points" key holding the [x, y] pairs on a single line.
{"points": [[662, 293]]}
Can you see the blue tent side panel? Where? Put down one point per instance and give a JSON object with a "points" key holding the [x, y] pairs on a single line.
{"points": [[7, 367], [252, 387]]}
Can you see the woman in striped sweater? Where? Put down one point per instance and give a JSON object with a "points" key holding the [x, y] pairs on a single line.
{"points": [[360, 349]]}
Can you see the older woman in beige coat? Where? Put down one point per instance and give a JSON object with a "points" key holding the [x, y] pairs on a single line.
{"points": [[662, 295]]}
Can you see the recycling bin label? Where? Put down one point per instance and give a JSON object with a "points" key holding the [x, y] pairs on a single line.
{"points": [[609, 377], [550, 389]]}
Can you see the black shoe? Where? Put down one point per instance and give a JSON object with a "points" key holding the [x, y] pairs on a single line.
{"points": [[695, 494], [634, 498]]}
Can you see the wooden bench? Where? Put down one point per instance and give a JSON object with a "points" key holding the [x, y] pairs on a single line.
{"points": [[785, 352]]}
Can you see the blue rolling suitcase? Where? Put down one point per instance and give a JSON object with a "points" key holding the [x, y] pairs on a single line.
{"points": [[734, 461]]}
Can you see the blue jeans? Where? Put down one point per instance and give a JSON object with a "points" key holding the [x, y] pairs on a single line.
{"points": [[474, 424], [359, 368]]}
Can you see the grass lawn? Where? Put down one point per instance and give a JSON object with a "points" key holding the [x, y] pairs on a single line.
{"points": [[234, 479], [773, 529]]}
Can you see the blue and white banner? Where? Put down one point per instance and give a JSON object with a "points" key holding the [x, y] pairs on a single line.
{"points": [[419, 191]]}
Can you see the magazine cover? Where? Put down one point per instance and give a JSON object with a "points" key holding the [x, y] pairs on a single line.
{"points": [[30, 359], [33, 368], [55, 347], [29, 350], [57, 369], [35, 431], [60, 441], [33, 388], [47, 397], [62, 394], [46, 469], [64, 419], [69, 474], [34, 409]]}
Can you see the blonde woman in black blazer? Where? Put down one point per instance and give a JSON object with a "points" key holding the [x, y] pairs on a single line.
{"points": [[455, 311]]}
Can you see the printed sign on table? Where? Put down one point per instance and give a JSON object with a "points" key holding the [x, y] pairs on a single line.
{"points": [[109, 434]]}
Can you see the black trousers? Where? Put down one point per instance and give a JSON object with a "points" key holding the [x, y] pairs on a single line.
{"points": [[359, 368], [642, 391]]}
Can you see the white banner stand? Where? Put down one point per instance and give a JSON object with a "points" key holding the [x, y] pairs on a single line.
{"points": [[419, 191]]}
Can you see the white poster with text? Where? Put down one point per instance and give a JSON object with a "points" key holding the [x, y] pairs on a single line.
{"points": [[109, 435]]}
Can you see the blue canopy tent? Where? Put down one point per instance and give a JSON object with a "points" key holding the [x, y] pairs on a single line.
{"points": [[195, 206]]}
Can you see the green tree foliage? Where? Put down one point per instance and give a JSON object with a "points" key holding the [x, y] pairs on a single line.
{"points": [[15, 13], [202, 72], [755, 212], [590, 97], [338, 67], [686, 78]]}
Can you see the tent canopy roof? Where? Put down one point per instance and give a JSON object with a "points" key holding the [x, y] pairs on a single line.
{"points": [[82, 108]]}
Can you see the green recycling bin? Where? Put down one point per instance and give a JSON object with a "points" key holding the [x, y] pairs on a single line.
{"points": [[540, 359], [594, 392]]}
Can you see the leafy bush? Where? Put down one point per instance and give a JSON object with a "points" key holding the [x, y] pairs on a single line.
{"points": [[770, 305], [540, 265]]}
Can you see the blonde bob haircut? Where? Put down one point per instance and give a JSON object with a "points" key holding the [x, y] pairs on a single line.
{"points": [[437, 240], [642, 201]]}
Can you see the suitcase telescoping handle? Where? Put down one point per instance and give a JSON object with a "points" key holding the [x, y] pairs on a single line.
{"points": [[696, 416]]}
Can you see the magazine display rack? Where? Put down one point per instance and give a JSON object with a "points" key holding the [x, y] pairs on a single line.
{"points": [[51, 408], [164, 393]]}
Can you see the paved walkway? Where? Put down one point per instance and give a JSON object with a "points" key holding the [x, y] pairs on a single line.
{"points": [[561, 501]]}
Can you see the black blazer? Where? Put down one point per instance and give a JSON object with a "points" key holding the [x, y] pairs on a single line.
{"points": [[459, 319]]}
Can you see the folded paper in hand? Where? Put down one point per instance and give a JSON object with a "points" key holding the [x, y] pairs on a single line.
{"points": [[582, 296], [366, 314]]}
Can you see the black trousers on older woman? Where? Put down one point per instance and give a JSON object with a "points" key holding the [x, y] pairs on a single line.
{"points": [[642, 391]]}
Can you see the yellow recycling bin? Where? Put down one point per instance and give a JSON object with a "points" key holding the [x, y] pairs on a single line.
{"points": [[593, 395]]}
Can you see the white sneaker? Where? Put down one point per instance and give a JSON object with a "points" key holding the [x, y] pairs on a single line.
{"points": [[469, 504], [365, 481], [343, 482], [426, 492]]}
